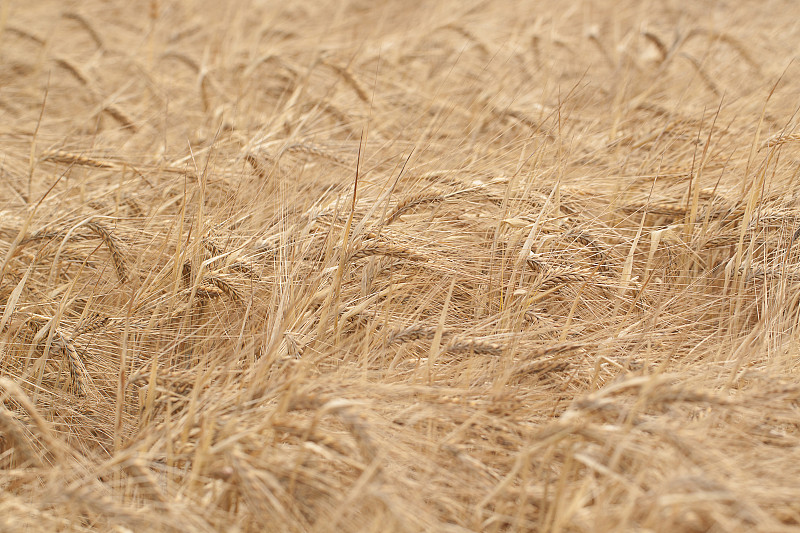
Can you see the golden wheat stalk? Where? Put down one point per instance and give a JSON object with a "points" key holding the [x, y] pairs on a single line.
{"points": [[212, 246], [75, 70], [340, 117], [86, 25], [479, 44], [348, 77], [134, 206], [474, 345], [259, 168], [208, 291], [564, 277], [245, 267], [62, 156], [734, 43], [386, 250], [113, 246], [780, 139], [600, 249], [124, 120], [656, 209], [25, 34], [412, 202], [315, 151], [541, 367], [411, 334], [80, 377], [41, 236], [658, 43], [111, 108], [183, 58], [95, 323], [219, 281]]}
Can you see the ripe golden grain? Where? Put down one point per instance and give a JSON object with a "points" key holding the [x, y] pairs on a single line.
{"points": [[86, 25], [348, 77], [220, 282], [387, 250], [315, 151], [113, 246], [62, 156], [605, 260], [412, 333]]}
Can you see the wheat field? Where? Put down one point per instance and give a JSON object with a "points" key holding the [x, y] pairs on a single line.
{"points": [[399, 266]]}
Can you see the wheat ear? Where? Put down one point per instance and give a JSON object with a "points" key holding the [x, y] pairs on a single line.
{"points": [[113, 246]]}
